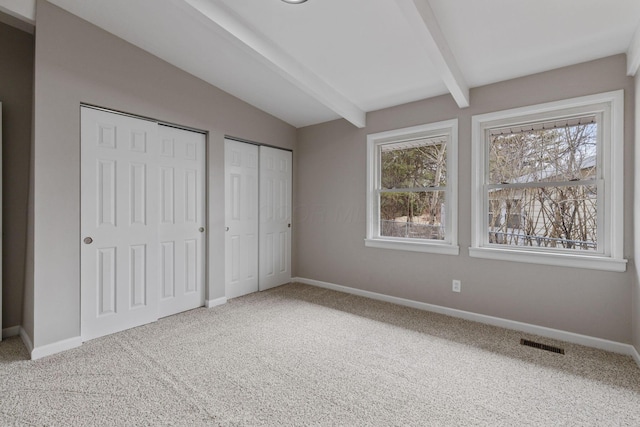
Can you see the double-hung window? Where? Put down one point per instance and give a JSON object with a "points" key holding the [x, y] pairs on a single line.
{"points": [[547, 183], [412, 188]]}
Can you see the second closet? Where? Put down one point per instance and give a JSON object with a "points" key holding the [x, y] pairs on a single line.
{"points": [[257, 217]]}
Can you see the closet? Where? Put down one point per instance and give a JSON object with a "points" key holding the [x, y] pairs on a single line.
{"points": [[257, 217], [142, 221]]}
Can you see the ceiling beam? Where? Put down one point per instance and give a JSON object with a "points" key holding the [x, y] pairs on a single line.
{"points": [[280, 61], [633, 54], [421, 17]]}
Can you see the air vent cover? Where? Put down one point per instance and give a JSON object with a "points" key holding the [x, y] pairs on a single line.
{"points": [[542, 346]]}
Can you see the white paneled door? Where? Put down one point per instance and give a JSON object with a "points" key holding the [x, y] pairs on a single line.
{"points": [[181, 232], [118, 223], [124, 256], [275, 217], [241, 213], [257, 217]]}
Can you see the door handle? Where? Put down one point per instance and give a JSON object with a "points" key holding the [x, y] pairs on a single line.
{"points": [[201, 229], [226, 229], [289, 225], [88, 240]]}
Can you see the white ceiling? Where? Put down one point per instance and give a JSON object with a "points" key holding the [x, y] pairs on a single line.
{"points": [[326, 59]]}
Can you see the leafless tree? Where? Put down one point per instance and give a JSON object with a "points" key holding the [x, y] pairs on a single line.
{"points": [[562, 211]]}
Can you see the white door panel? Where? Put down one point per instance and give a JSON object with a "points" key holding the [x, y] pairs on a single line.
{"points": [[275, 217], [118, 223], [241, 217], [181, 234]]}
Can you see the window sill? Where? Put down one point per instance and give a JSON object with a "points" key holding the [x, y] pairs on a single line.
{"points": [[402, 245], [593, 262]]}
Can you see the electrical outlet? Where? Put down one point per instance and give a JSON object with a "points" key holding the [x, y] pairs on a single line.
{"points": [[456, 287]]}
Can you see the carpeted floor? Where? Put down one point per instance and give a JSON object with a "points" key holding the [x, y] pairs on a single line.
{"points": [[299, 355]]}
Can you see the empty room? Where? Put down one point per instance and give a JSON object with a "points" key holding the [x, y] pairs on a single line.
{"points": [[320, 212]]}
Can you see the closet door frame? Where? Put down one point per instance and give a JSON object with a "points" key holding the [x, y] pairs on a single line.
{"points": [[268, 277], [1, 230], [155, 289]]}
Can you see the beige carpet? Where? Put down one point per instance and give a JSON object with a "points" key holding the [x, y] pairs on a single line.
{"points": [[299, 355]]}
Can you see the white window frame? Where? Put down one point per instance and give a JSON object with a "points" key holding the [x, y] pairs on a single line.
{"points": [[449, 245], [610, 107]]}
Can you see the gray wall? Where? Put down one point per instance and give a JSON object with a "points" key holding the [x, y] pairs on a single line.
{"points": [[16, 96], [330, 217], [77, 62]]}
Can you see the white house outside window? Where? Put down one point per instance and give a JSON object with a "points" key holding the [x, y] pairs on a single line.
{"points": [[548, 183], [412, 188]]}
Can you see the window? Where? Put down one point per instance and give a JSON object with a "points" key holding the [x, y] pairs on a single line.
{"points": [[547, 183], [412, 188]]}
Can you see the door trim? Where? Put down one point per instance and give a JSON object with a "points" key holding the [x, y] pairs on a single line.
{"points": [[259, 144], [149, 119]]}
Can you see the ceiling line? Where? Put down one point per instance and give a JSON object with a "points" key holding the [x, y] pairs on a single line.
{"points": [[633, 54], [25, 10], [283, 63], [421, 17]]}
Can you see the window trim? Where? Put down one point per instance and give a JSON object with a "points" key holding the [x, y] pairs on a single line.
{"points": [[373, 239], [610, 161]]}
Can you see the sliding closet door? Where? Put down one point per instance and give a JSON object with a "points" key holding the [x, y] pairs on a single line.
{"points": [[182, 213], [275, 217], [241, 218], [119, 219], [142, 221], [258, 218]]}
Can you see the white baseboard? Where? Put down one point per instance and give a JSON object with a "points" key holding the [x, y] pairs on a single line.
{"points": [[588, 341], [12, 331], [56, 347], [26, 340], [635, 355], [210, 303], [68, 344]]}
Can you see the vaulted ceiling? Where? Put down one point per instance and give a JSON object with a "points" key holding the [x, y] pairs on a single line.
{"points": [[325, 59]]}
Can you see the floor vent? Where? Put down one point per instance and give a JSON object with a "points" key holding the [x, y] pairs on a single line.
{"points": [[542, 346]]}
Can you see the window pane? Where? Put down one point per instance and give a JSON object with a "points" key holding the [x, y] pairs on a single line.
{"points": [[554, 151], [413, 164], [416, 215], [551, 217]]}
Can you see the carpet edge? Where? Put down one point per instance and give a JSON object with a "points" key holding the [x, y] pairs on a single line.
{"points": [[557, 334]]}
